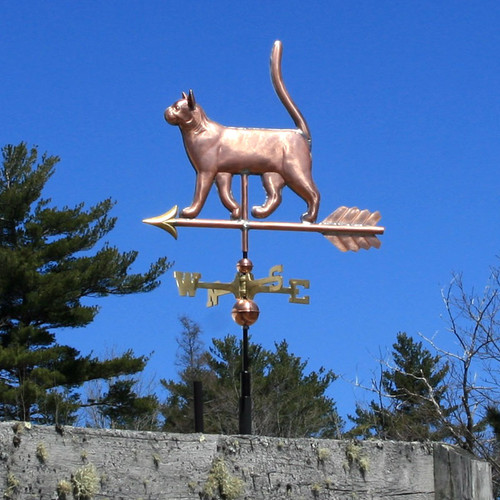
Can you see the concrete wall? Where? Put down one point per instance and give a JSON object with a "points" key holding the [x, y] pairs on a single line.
{"points": [[38, 462]]}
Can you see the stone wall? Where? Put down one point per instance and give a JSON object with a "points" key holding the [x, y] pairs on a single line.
{"points": [[38, 462]]}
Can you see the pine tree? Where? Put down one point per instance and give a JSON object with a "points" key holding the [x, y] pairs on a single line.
{"points": [[287, 401], [48, 265], [123, 408], [192, 358], [290, 402], [410, 406]]}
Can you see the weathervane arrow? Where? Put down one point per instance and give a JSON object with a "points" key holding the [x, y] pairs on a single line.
{"points": [[347, 228]]}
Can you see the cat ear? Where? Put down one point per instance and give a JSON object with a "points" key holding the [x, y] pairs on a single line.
{"points": [[191, 99], [184, 96]]}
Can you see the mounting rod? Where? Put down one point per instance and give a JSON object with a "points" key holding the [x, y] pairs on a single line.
{"points": [[246, 391]]}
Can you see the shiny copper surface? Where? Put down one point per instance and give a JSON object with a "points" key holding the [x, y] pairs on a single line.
{"points": [[244, 266], [245, 312], [282, 157], [354, 217], [347, 228]]}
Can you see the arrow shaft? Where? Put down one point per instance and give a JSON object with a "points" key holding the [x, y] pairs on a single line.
{"points": [[347, 228], [344, 229]]}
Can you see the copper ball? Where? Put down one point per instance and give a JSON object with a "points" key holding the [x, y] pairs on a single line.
{"points": [[245, 312], [244, 266]]}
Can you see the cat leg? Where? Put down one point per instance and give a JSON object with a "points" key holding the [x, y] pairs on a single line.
{"points": [[304, 186], [273, 185], [223, 182], [204, 182]]}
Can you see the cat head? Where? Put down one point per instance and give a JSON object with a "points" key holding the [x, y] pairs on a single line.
{"points": [[181, 112]]}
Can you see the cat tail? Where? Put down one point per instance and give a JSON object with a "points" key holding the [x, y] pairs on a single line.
{"points": [[279, 87]]}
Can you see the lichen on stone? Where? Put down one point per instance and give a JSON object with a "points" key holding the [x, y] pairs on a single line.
{"points": [[220, 484], [63, 489], [354, 456], [13, 485], [316, 489], [85, 482], [41, 453], [323, 454], [19, 427]]}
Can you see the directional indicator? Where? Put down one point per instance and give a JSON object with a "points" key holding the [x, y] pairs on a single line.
{"points": [[244, 286], [347, 228]]}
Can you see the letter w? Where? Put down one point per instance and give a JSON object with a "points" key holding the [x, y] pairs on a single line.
{"points": [[187, 283]]}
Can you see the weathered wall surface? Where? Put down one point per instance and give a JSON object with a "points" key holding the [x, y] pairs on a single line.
{"points": [[38, 462]]}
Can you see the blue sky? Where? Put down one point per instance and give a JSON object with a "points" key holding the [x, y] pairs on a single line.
{"points": [[402, 99]]}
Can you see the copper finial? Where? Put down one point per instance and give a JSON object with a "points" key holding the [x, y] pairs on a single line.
{"points": [[245, 312]]}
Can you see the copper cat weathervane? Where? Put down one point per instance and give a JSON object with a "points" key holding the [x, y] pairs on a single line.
{"points": [[282, 157]]}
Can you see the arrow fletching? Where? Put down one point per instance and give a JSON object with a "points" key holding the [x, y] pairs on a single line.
{"points": [[357, 219]]}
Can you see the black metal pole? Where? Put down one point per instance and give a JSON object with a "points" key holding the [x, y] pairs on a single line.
{"points": [[198, 406], [245, 398]]}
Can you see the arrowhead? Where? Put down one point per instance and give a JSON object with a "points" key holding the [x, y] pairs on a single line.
{"points": [[165, 221]]}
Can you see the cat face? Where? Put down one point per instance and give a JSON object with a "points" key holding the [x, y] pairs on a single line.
{"points": [[182, 110], [178, 113]]}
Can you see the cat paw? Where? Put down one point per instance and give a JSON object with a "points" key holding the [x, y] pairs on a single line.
{"points": [[188, 213], [308, 219], [259, 212]]}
